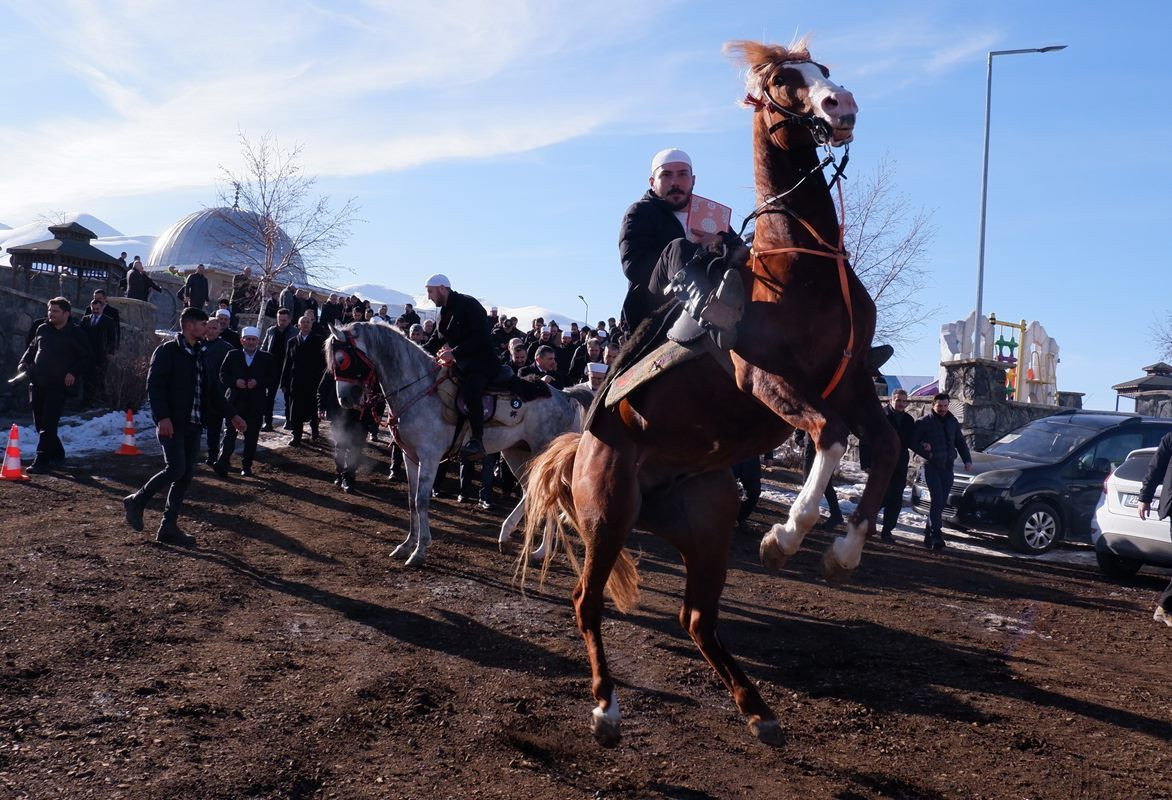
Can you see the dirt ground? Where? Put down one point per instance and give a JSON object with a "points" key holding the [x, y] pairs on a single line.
{"points": [[288, 657]]}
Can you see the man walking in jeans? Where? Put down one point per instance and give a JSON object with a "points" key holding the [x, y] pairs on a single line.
{"points": [[176, 384], [938, 439]]}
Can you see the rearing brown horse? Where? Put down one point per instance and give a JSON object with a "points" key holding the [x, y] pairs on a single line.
{"points": [[659, 459]]}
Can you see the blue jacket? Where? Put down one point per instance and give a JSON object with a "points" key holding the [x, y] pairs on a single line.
{"points": [[943, 436]]}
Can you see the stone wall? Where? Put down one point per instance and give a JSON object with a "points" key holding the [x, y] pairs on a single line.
{"points": [[1154, 404]]}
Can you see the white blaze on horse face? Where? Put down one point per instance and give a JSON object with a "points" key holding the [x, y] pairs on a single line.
{"points": [[829, 101]]}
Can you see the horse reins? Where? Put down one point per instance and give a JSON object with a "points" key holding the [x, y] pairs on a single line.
{"points": [[821, 134]]}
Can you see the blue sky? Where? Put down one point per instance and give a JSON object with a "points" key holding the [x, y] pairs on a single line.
{"points": [[500, 142]]}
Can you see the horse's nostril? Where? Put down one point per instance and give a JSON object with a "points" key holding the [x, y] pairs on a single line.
{"points": [[829, 104]]}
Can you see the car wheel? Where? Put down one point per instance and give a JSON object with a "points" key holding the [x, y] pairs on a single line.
{"points": [[1037, 530], [1115, 566]]}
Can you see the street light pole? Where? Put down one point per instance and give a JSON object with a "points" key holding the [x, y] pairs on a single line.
{"points": [[583, 299], [985, 180]]}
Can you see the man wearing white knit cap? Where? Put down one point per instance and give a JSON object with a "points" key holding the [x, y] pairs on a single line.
{"points": [[249, 376], [653, 228]]}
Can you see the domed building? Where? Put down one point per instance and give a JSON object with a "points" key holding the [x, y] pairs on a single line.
{"points": [[223, 239]]}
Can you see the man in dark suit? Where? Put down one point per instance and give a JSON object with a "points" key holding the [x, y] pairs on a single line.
{"points": [[194, 293], [544, 368], [305, 362], [938, 439], [110, 313], [249, 377], [1160, 474], [905, 426], [101, 332], [274, 343], [289, 299], [216, 348]]}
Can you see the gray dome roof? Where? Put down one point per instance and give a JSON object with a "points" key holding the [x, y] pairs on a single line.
{"points": [[217, 237]]}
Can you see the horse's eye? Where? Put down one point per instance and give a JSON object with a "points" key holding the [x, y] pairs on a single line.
{"points": [[341, 359]]}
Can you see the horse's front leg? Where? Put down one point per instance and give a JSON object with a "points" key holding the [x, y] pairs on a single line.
{"points": [[408, 544], [422, 491], [509, 525]]}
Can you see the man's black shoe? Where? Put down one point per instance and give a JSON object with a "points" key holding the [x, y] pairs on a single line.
{"points": [[346, 485], [462, 499], [38, 467], [133, 511], [886, 536], [169, 533], [472, 449], [928, 541], [246, 472], [338, 481], [394, 475], [220, 469], [484, 505], [938, 543], [830, 523], [295, 441], [268, 427]]}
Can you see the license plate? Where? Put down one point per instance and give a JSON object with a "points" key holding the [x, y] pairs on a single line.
{"points": [[1129, 500]]}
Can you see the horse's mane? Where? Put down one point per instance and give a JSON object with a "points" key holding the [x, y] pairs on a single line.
{"points": [[760, 60], [386, 335]]}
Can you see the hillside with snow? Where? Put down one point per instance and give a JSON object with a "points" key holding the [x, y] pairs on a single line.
{"points": [[395, 299], [110, 240]]}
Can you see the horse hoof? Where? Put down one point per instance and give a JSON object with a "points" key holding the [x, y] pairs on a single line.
{"points": [[767, 731], [416, 560], [505, 546], [606, 731], [772, 558], [834, 573]]}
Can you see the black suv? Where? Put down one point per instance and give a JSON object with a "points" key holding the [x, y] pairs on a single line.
{"points": [[1040, 483]]}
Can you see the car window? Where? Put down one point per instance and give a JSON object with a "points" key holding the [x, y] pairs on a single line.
{"points": [[1135, 468], [1153, 434], [1108, 453], [1043, 441]]}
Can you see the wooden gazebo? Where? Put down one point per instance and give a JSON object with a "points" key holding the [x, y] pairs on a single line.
{"points": [[68, 254], [1155, 384]]}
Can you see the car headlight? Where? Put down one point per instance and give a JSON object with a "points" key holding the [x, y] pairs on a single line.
{"points": [[997, 478]]}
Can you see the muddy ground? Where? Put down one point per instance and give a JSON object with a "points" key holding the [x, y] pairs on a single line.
{"points": [[288, 657]]}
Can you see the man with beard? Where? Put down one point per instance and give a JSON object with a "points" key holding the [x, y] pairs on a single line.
{"points": [[462, 339], [249, 376], [653, 231]]}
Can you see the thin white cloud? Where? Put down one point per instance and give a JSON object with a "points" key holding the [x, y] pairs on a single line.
{"points": [[367, 86]]}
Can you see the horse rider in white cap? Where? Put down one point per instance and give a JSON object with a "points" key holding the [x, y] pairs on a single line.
{"points": [[653, 228], [463, 338]]}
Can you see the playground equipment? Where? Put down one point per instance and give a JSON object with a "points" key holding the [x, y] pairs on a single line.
{"points": [[1028, 352]]}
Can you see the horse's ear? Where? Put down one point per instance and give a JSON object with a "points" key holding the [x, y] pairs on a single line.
{"points": [[334, 330]]}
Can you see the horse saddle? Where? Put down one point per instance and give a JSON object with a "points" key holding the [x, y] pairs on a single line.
{"points": [[665, 357], [504, 399]]}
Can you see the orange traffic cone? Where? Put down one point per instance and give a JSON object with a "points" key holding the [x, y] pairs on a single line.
{"points": [[128, 448], [12, 470]]}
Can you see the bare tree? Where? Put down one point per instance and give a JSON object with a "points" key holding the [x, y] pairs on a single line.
{"points": [[284, 224], [1162, 336], [888, 240]]}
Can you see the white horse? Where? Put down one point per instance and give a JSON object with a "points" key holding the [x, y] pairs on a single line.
{"points": [[362, 354]]}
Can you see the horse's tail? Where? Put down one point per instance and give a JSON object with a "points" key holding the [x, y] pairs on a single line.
{"points": [[549, 507]]}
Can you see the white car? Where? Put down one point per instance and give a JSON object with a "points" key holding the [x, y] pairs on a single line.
{"points": [[1124, 542]]}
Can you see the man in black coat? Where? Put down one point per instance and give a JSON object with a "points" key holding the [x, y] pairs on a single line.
{"points": [[57, 356], [216, 348], [138, 284], [462, 337], [938, 438], [101, 333], [249, 376], [111, 313], [194, 293], [305, 362], [176, 386], [1159, 474], [275, 342], [653, 230], [245, 294], [544, 368], [409, 317], [289, 299], [904, 426]]}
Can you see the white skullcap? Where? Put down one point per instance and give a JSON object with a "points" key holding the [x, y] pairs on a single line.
{"points": [[597, 368], [439, 279], [669, 156], [601, 333], [250, 330], [223, 312]]}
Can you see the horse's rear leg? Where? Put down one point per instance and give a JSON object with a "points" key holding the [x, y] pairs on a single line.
{"points": [[420, 479], [606, 500], [516, 460], [698, 517], [783, 540]]}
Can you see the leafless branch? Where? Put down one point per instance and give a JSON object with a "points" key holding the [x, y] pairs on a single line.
{"points": [[888, 240]]}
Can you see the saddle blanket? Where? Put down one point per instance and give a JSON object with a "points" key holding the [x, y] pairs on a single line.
{"points": [[663, 358], [500, 408]]}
